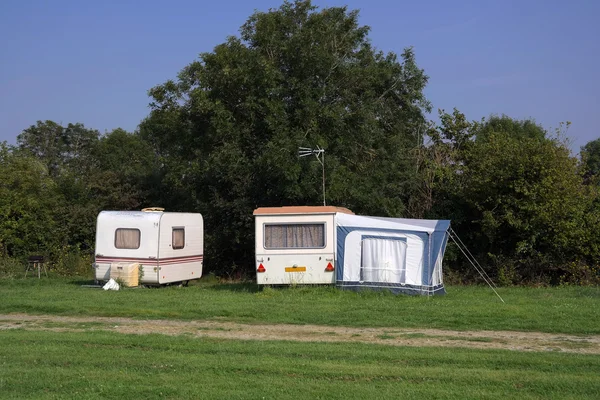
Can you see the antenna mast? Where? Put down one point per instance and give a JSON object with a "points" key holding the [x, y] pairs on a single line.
{"points": [[320, 154]]}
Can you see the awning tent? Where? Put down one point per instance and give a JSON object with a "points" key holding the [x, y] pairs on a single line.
{"points": [[396, 254]]}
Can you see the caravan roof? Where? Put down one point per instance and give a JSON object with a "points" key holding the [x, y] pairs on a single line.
{"points": [[295, 210], [122, 216]]}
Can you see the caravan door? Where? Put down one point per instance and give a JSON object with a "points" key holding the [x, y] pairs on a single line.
{"points": [[383, 260]]}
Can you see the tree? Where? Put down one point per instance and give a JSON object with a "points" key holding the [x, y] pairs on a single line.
{"points": [[227, 130], [590, 154], [518, 199], [529, 201], [89, 173], [66, 153], [113, 173], [504, 125], [59, 147], [28, 201], [125, 165]]}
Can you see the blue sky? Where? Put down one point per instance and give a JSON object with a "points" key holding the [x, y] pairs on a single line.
{"points": [[94, 61]]}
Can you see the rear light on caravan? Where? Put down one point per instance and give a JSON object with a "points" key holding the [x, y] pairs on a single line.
{"points": [[329, 267], [261, 268]]}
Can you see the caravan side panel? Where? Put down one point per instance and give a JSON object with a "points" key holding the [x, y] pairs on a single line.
{"points": [[181, 247]]}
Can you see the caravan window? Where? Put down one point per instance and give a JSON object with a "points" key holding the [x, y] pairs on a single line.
{"points": [[178, 238], [126, 238], [294, 236]]}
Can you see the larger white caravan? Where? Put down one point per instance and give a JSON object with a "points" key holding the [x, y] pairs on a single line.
{"points": [[167, 246], [331, 245], [296, 245]]}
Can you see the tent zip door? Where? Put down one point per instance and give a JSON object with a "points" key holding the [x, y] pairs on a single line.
{"points": [[383, 259]]}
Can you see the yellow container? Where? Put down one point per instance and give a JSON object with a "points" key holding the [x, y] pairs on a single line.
{"points": [[125, 273]]}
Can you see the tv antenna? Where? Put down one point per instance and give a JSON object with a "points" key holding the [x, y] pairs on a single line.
{"points": [[320, 154]]}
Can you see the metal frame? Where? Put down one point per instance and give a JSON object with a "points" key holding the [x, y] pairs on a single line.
{"points": [[307, 151]]}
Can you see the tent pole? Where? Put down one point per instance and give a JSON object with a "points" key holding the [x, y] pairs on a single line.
{"points": [[490, 284], [471, 255]]}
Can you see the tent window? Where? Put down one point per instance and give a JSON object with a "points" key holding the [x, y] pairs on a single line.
{"points": [[297, 236], [178, 238], [126, 238], [383, 261]]}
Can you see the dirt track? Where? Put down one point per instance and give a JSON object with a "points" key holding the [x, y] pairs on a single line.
{"points": [[520, 341]]}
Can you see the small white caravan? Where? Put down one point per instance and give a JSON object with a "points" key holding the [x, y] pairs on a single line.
{"points": [[331, 245], [167, 246]]}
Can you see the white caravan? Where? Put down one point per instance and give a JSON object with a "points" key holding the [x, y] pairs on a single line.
{"points": [[168, 246], [296, 245], [331, 245]]}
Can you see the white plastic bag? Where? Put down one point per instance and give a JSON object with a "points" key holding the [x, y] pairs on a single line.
{"points": [[111, 285]]}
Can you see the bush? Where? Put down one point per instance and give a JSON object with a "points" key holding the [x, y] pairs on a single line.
{"points": [[72, 262], [11, 268], [518, 198], [580, 273]]}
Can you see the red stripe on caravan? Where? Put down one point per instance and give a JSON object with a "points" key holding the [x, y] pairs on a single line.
{"points": [[128, 259], [124, 258], [170, 260], [180, 258], [173, 259], [180, 261]]}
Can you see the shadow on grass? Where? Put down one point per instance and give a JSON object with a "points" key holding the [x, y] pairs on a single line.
{"points": [[246, 287], [81, 281]]}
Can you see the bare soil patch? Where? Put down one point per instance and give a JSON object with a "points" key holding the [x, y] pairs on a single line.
{"points": [[507, 340]]}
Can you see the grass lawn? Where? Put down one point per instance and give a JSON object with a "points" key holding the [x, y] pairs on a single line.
{"points": [[574, 310], [106, 365]]}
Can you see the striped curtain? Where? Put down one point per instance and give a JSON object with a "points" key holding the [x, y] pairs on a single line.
{"points": [[178, 238], [294, 236], [127, 238]]}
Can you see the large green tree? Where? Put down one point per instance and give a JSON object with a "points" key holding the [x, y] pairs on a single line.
{"points": [[89, 172], [228, 129]]}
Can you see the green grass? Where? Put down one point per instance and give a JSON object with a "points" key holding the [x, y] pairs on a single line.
{"points": [[87, 365], [569, 310]]}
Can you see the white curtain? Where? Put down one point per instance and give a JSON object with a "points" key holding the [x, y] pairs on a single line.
{"points": [[383, 260], [294, 236], [127, 238]]}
